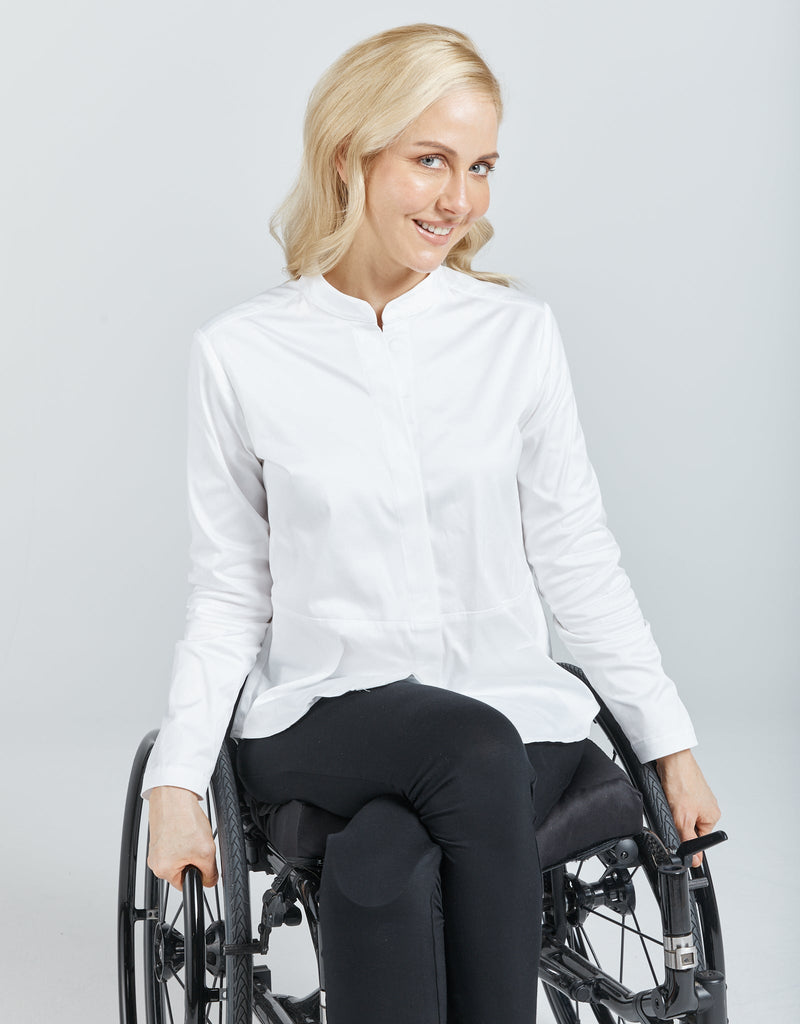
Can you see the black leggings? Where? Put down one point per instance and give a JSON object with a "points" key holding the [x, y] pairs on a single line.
{"points": [[477, 790]]}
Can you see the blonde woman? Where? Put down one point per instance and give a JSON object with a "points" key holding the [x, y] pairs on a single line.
{"points": [[386, 474]]}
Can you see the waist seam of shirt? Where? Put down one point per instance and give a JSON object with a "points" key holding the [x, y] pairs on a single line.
{"points": [[445, 615]]}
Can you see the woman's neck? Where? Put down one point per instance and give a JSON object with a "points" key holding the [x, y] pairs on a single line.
{"points": [[353, 277]]}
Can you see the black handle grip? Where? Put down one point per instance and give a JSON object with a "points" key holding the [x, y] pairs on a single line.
{"points": [[687, 850]]}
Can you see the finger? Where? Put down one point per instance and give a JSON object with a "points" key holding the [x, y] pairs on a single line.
{"points": [[207, 866], [210, 875], [180, 878], [686, 832], [160, 870]]}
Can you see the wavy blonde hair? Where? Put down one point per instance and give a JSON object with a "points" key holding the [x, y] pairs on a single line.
{"points": [[362, 104]]}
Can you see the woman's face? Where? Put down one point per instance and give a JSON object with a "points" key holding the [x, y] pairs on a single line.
{"points": [[425, 190]]}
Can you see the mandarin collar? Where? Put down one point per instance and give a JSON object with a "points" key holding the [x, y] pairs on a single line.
{"points": [[417, 299]]}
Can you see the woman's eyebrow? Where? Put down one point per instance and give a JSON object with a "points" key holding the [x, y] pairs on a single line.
{"points": [[452, 152]]}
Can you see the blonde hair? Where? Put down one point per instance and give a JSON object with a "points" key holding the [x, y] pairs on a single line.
{"points": [[362, 104]]}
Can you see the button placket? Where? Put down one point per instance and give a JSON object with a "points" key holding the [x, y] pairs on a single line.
{"points": [[426, 618], [390, 365], [400, 356]]}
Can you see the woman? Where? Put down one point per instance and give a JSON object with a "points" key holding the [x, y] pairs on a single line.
{"points": [[386, 471]]}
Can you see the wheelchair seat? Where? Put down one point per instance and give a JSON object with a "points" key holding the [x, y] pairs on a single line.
{"points": [[599, 805]]}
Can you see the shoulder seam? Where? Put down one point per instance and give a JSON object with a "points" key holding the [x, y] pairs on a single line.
{"points": [[240, 311]]}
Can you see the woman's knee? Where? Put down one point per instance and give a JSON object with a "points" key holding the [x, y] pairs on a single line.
{"points": [[384, 854], [382, 918], [475, 742]]}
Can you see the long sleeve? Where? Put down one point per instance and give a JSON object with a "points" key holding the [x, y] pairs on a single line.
{"points": [[229, 607], [575, 562]]}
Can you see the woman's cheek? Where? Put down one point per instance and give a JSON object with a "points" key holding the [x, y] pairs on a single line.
{"points": [[419, 190]]}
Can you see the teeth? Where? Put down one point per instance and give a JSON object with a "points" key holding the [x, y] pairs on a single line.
{"points": [[434, 230]]}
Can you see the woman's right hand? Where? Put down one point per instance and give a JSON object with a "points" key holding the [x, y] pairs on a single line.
{"points": [[180, 834]]}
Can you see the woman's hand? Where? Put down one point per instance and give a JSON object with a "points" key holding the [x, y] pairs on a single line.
{"points": [[694, 807], [180, 834]]}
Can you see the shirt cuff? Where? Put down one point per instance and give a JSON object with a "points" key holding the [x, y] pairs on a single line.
{"points": [[651, 747], [180, 775]]}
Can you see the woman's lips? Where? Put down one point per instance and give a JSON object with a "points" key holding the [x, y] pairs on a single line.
{"points": [[432, 238]]}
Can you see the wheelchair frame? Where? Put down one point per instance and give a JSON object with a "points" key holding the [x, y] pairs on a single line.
{"points": [[693, 988]]}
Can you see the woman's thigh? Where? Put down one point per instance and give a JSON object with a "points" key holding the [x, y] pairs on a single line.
{"points": [[404, 738], [554, 765], [400, 738]]}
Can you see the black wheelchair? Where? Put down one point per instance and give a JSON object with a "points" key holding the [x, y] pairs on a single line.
{"points": [[630, 931]]}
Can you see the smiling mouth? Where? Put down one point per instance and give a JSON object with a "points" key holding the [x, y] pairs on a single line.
{"points": [[432, 229]]}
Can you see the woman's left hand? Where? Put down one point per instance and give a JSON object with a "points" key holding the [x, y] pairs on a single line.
{"points": [[694, 807]]}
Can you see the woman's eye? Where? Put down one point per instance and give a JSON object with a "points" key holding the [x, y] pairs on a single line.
{"points": [[482, 168]]}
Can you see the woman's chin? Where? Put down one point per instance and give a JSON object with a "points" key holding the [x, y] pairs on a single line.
{"points": [[424, 263]]}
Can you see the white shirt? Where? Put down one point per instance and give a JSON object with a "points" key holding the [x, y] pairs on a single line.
{"points": [[370, 504]]}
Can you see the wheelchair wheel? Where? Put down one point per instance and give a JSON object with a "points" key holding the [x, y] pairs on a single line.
{"points": [[172, 962], [624, 937]]}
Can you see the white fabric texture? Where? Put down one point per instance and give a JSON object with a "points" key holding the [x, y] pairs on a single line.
{"points": [[369, 504]]}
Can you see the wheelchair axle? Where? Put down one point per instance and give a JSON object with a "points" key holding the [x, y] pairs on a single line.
{"points": [[169, 950], [615, 891]]}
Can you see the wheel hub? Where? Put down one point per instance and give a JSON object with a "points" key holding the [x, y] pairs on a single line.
{"points": [[615, 890], [215, 960], [167, 951]]}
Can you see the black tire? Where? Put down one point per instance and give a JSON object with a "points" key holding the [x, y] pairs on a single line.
{"points": [[162, 933], [658, 818]]}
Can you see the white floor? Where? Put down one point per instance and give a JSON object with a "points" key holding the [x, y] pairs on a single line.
{"points": [[60, 855]]}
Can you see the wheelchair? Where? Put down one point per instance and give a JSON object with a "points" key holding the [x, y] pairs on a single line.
{"points": [[630, 931]]}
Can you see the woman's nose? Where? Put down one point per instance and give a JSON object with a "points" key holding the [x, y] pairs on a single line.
{"points": [[454, 198]]}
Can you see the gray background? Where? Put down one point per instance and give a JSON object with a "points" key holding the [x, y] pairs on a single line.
{"points": [[647, 190]]}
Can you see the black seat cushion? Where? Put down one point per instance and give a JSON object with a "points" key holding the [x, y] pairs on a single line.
{"points": [[598, 805], [298, 831]]}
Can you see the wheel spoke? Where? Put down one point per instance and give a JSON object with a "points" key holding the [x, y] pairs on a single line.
{"points": [[621, 949], [627, 928], [169, 1004], [588, 942], [580, 868], [572, 941], [646, 951]]}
